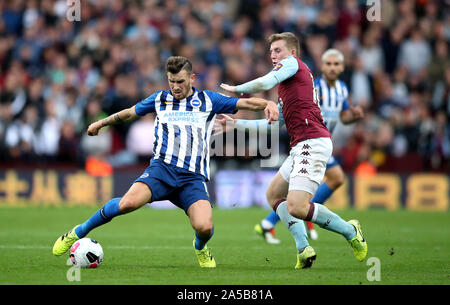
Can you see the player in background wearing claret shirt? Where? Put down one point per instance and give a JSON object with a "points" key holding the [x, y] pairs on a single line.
{"points": [[333, 97], [291, 190], [180, 164]]}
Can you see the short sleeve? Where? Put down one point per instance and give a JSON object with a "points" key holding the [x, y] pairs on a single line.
{"points": [[147, 105], [345, 104], [222, 103]]}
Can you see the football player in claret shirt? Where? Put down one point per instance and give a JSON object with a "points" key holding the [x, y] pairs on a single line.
{"points": [[334, 105], [291, 190], [180, 164]]}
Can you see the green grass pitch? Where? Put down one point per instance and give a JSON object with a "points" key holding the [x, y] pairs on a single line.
{"points": [[154, 247]]}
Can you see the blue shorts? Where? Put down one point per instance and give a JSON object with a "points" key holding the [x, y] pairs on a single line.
{"points": [[332, 162], [178, 185]]}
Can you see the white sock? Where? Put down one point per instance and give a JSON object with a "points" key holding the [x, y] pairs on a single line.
{"points": [[266, 225]]}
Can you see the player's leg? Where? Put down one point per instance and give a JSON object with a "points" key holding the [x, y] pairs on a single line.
{"points": [[192, 196], [308, 170], [334, 178], [276, 193], [301, 206], [328, 220], [138, 195], [266, 228], [200, 216]]}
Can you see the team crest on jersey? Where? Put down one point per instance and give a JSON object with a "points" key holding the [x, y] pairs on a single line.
{"points": [[195, 103], [144, 175], [277, 67]]}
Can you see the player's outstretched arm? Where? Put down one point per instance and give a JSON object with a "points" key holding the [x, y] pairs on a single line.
{"points": [[260, 84], [123, 116], [255, 103], [286, 68]]}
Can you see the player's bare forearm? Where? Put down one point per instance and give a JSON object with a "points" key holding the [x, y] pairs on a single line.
{"points": [[351, 115], [252, 103], [123, 116], [256, 103]]}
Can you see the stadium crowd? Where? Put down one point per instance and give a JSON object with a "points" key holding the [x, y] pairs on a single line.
{"points": [[58, 75]]}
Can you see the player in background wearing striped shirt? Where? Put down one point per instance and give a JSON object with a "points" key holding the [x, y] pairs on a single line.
{"points": [[333, 98], [180, 165], [291, 191]]}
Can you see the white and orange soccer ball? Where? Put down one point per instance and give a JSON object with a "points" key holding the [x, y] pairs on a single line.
{"points": [[86, 253]]}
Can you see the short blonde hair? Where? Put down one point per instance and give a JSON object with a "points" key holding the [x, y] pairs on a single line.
{"points": [[292, 42], [333, 52]]}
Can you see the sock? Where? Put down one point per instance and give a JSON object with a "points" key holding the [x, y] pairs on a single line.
{"points": [[102, 216], [201, 240], [270, 221], [295, 226], [323, 193], [328, 220]]}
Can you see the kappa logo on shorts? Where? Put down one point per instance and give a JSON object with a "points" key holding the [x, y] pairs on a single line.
{"points": [[305, 153], [304, 161], [144, 175], [303, 171], [306, 146]]}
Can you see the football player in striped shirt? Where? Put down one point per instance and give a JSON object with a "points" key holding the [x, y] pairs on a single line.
{"points": [[180, 165], [333, 98]]}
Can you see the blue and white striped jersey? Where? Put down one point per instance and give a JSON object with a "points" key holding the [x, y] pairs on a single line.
{"points": [[183, 127], [332, 101]]}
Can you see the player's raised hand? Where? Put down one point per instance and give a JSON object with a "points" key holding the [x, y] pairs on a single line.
{"points": [[228, 87], [94, 128], [222, 124], [271, 112]]}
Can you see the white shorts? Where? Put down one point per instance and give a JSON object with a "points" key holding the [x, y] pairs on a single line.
{"points": [[305, 167]]}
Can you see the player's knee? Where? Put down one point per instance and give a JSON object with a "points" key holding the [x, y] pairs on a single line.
{"points": [[127, 204], [204, 228], [297, 209], [138, 195], [336, 180], [272, 197], [339, 182]]}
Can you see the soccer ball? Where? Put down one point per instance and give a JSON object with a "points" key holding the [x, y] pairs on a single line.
{"points": [[86, 253]]}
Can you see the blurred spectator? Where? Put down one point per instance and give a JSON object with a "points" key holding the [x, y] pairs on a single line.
{"points": [[360, 84], [48, 136], [371, 53], [21, 136], [101, 144], [415, 52], [69, 143], [141, 136], [349, 15]]}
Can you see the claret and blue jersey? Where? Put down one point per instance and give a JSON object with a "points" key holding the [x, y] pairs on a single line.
{"points": [[183, 127], [332, 101]]}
